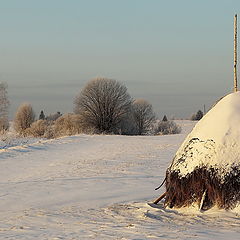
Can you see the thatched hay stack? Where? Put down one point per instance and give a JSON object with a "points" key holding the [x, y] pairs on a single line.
{"points": [[206, 168]]}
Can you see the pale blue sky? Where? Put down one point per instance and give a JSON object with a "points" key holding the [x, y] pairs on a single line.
{"points": [[176, 54]]}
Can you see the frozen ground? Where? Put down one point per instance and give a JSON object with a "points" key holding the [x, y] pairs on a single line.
{"points": [[97, 187]]}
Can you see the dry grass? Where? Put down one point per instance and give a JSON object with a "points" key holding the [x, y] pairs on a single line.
{"points": [[184, 191]]}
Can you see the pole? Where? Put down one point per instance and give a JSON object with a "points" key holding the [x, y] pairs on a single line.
{"points": [[235, 54]]}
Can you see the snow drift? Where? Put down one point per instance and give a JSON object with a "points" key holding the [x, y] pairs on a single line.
{"points": [[206, 168]]}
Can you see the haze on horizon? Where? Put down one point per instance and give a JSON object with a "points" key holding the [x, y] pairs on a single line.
{"points": [[178, 54]]}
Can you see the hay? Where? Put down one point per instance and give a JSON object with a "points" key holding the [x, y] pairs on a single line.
{"points": [[188, 190], [206, 167]]}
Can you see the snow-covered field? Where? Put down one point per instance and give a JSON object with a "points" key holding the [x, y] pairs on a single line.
{"points": [[97, 187]]}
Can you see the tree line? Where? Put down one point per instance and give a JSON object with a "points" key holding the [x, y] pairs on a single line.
{"points": [[103, 106]]}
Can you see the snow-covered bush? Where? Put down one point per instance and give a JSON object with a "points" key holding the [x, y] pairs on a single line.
{"points": [[167, 127], [24, 118], [37, 129], [49, 132], [68, 124]]}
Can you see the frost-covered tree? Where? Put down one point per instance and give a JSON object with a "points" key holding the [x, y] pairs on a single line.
{"points": [[102, 104], [24, 118], [143, 115], [4, 107]]}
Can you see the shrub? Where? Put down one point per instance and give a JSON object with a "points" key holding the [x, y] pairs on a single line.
{"points": [[167, 127], [68, 124], [24, 118], [49, 132], [37, 129]]}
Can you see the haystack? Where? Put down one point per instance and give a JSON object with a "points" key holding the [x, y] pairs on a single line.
{"points": [[206, 168]]}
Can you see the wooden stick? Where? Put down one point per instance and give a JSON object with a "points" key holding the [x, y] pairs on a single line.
{"points": [[161, 184], [235, 54], [202, 200], [160, 198]]}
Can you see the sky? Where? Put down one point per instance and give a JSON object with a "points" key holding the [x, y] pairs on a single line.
{"points": [[176, 54]]}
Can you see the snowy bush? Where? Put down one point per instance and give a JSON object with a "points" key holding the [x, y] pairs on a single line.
{"points": [[49, 132], [167, 127], [37, 129], [68, 124], [24, 118]]}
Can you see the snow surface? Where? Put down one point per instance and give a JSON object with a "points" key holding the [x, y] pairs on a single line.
{"points": [[216, 139], [97, 187]]}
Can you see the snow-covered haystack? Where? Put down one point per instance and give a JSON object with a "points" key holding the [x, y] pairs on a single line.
{"points": [[206, 168]]}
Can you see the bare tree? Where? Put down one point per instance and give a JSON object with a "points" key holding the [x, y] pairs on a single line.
{"points": [[4, 107], [24, 118], [143, 115], [102, 104]]}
